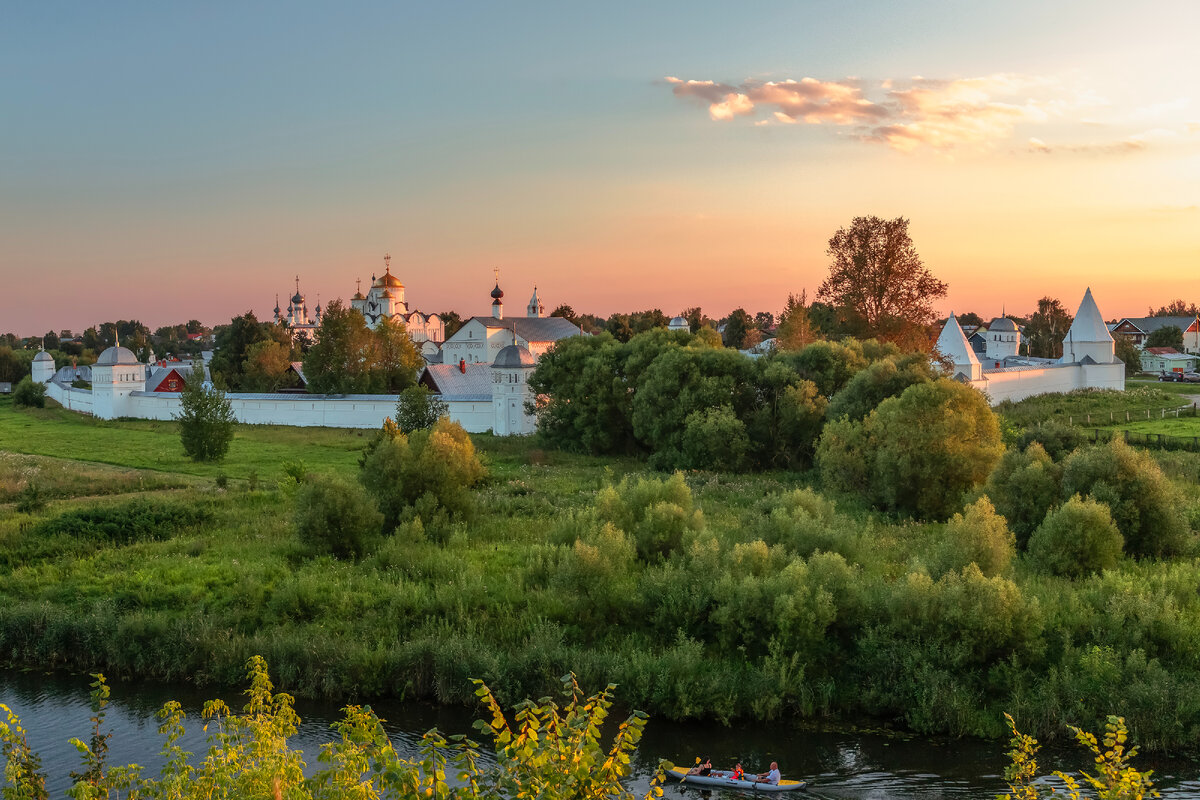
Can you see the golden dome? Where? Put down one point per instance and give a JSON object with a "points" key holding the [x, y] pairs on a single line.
{"points": [[388, 281]]}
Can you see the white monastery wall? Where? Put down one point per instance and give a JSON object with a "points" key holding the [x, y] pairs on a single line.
{"points": [[303, 411], [1017, 384], [69, 397]]}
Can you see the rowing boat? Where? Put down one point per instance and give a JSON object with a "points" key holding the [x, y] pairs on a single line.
{"points": [[724, 779]]}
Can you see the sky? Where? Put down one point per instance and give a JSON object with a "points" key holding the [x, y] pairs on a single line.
{"points": [[171, 161]]}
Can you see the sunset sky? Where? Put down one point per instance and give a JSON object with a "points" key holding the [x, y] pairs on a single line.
{"points": [[167, 161]]}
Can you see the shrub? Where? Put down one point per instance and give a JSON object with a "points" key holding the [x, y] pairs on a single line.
{"points": [[715, 439], [979, 536], [1057, 438], [418, 408], [916, 454], [30, 499], [1145, 506], [336, 517], [206, 420], [29, 394], [136, 520], [656, 513], [433, 468], [1023, 487], [876, 383], [1077, 539], [843, 457]]}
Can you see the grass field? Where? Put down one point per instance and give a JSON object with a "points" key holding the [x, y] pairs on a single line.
{"points": [[777, 604]]}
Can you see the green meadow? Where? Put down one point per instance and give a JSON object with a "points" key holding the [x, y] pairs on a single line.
{"points": [[777, 603]]}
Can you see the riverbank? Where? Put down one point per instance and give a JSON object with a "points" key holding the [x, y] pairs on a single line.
{"points": [[778, 606]]}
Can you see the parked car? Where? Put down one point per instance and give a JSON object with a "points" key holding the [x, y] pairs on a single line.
{"points": [[1170, 376], [1191, 377]]}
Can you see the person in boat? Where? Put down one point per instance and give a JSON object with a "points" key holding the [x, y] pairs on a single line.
{"points": [[703, 767], [738, 773], [772, 776]]}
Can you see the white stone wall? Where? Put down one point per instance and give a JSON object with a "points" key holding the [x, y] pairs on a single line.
{"points": [[1021, 383], [70, 398], [303, 411]]}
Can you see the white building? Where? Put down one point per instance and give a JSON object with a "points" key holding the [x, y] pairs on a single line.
{"points": [[510, 392], [385, 300], [42, 368], [1088, 360]]}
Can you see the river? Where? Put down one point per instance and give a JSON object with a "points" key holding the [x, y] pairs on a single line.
{"points": [[54, 708]]}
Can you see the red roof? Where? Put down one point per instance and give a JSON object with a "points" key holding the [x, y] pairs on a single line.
{"points": [[1163, 351]]}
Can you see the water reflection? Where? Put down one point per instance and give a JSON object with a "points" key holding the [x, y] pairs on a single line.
{"points": [[55, 708]]}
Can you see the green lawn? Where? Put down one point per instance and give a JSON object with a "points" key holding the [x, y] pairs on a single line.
{"points": [[153, 445], [1166, 386]]}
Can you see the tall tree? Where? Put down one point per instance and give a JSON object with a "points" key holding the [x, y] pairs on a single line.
{"points": [[876, 276], [396, 360], [452, 322], [737, 326], [695, 318], [266, 366], [340, 362], [564, 311], [1176, 308], [1046, 329], [796, 329]]}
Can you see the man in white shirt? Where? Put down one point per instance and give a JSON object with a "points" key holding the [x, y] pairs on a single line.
{"points": [[772, 776]]}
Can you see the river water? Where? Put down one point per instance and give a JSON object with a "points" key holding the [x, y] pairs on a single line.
{"points": [[55, 708]]}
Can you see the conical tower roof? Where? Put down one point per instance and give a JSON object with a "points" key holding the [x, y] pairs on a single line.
{"points": [[952, 343], [1088, 326]]}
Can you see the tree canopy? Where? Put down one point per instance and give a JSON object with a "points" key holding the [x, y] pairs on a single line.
{"points": [[877, 277], [1047, 327], [1166, 336]]}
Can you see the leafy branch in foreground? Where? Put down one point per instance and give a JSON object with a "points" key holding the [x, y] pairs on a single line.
{"points": [[1115, 779], [551, 753]]}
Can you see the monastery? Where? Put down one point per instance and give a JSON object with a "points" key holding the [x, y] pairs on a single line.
{"points": [[1088, 362], [483, 380]]}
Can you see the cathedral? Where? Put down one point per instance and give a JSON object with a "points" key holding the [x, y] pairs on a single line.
{"points": [[384, 300]]}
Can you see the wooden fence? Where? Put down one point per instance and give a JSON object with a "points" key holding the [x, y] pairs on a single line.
{"points": [[1157, 441]]}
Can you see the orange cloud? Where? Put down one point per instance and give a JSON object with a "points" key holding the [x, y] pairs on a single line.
{"points": [[940, 115]]}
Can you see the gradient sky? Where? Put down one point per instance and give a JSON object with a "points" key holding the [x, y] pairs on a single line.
{"points": [[167, 161]]}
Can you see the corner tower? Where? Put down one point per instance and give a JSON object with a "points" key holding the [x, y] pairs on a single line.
{"points": [[952, 343], [1088, 336]]}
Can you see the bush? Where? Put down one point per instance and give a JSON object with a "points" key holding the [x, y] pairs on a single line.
{"points": [[1145, 506], [206, 420], [418, 408], [656, 513], [1057, 438], [979, 536], [916, 454], [1077, 539], [29, 394], [30, 499], [336, 517], [715, 439], [432, 469], [141, 519], [876, 383], [1023, 487]]}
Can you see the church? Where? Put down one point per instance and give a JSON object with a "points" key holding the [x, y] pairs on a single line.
{"points": [[486, 364], [1088, 361], [383, 300]]}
